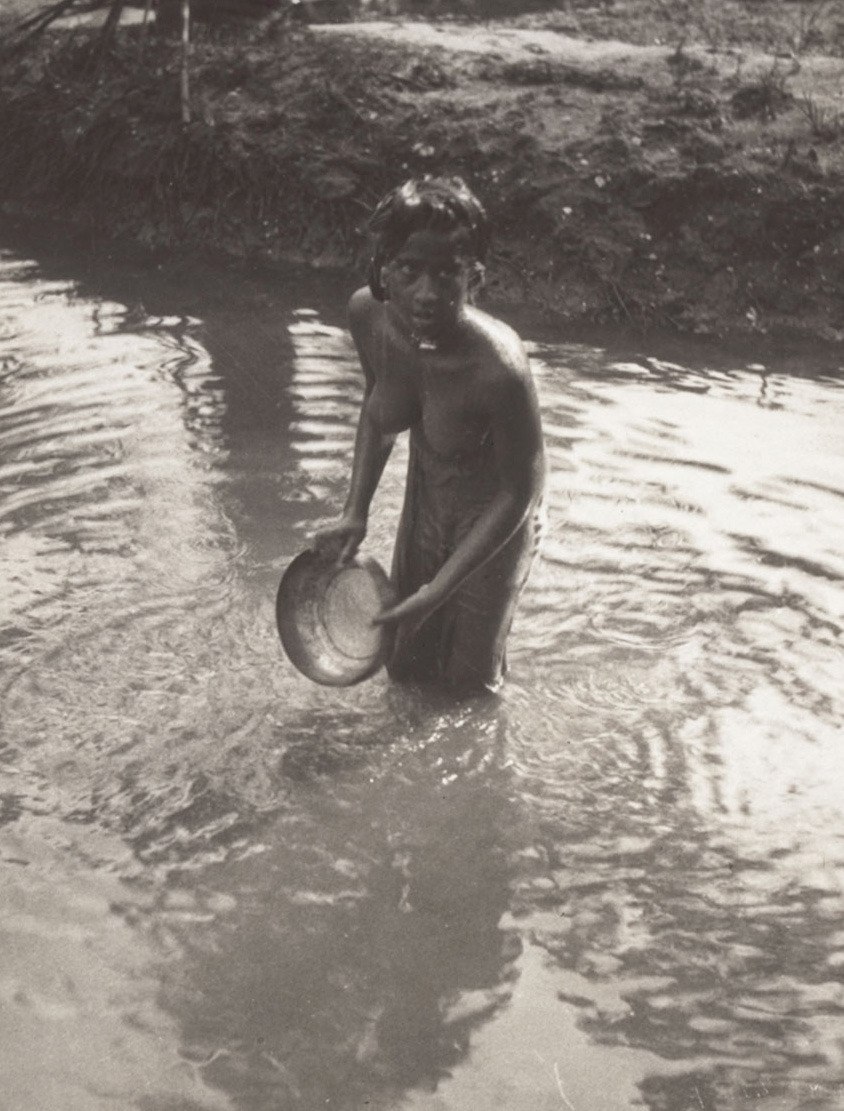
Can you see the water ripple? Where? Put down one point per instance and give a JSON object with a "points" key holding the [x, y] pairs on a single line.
{"points": [[637, 844]]}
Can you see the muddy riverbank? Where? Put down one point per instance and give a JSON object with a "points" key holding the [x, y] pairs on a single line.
{"points": [[665, 178]]}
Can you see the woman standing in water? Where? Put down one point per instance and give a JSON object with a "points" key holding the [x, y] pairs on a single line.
{"points": [[459, 380]]}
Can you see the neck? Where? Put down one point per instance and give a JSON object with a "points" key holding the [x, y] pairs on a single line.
{"points": [[444, 342]]}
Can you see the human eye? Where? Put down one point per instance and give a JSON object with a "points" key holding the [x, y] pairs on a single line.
{"points": [[449, 269]]}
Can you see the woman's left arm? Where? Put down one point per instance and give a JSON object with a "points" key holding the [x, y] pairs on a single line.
{"points": [[520, 462]]}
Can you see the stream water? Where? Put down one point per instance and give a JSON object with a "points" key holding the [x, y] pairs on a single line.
{"points": [[619, 885]]}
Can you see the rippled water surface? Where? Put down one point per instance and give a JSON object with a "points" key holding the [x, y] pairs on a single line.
{"points": [[224, 887]]}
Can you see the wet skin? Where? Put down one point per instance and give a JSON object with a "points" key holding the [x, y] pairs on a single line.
{"points": [[429, 358]]}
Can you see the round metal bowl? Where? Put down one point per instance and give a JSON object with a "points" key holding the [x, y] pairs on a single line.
{"points": [[324, 613]]}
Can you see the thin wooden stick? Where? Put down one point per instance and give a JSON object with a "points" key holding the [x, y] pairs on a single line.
{"points": [[185, 74]]}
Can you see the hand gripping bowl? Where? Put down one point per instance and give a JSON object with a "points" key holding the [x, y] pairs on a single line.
{"points": [[324, 613]]}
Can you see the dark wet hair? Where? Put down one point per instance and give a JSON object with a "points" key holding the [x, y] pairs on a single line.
{"points": [[425, 204]]}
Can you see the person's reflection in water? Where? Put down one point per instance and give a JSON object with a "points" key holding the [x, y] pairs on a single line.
{"points": [[363, 946], [436, 906]]}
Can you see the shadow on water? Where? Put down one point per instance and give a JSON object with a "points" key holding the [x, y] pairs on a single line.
{"points": [[348, 936], [618, 885]]}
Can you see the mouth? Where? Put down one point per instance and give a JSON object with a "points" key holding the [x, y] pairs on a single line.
{"points": [[424, 320], [423, 331]]}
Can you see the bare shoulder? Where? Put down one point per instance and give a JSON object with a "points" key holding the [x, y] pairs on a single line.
{"points": [[362, 313], [500, 349], [361, 310]]}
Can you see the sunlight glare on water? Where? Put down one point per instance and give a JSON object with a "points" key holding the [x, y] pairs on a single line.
{"points": [[619, 885]]}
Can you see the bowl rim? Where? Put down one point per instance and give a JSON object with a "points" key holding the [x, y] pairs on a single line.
{"points": [[311, 566]]}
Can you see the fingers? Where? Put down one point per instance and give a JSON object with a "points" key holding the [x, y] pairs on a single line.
{"points": [[411, 608], [320, 541], [340, 544], [349, 549], [385, 617], [391, 615]]}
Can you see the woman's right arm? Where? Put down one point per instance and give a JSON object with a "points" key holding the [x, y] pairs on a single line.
{"points": [[372, 450]]}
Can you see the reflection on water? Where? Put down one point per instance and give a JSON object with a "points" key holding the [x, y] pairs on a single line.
{"points": [[619, 885]]}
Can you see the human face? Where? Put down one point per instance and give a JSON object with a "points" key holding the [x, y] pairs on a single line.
{"points": [[426, 283]]}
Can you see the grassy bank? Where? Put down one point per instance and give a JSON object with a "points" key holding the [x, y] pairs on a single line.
{"points": [[640, 167]]}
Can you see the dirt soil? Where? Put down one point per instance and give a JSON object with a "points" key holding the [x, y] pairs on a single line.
{"points": [[659, 165]]}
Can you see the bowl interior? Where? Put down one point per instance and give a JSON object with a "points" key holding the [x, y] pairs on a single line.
{"points": [[324, 614]]}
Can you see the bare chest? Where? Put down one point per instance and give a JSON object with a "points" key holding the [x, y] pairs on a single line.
{"points": [[440, 394]]}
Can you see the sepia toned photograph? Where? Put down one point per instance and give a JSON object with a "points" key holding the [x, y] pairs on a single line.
{"points": [[421, 555]]}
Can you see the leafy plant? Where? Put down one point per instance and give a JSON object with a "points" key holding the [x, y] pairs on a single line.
{"points": [[765, 97], [825, 122], [806, 26]]}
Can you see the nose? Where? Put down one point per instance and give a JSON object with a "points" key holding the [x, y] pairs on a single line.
{"points": [[426, 292]]}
